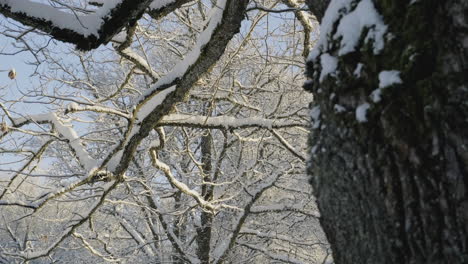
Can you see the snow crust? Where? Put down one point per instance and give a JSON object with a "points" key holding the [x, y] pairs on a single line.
{"points": [[376, 95], [85, 25]]}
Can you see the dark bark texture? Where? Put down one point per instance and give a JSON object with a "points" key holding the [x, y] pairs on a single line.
{"points": [[318, 7], [206, 218], [394, 189]]}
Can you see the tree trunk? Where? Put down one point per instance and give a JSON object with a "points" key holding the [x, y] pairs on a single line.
{"points": [[206, 218], [389, 166], [318, 7]]}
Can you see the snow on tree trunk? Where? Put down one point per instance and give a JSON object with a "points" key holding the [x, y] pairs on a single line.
{"points": [[389, 152]]}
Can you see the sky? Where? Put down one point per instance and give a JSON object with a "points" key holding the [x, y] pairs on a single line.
{"points": [[17, 62], [10, 90]]}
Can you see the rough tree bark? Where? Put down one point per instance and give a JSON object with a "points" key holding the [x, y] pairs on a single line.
{"points": [[393, 189], [206, 218], [318, 7]]}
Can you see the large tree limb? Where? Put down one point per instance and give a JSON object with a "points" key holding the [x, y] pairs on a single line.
{"points": [[86, 32], [161, 98], [157, 11], [305, 19]]}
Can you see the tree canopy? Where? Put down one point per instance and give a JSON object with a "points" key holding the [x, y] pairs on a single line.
{"points": [[169, 131]]}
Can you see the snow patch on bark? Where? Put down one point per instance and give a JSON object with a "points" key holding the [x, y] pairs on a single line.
{"points": [[353, 24], [361, 112], [334, 10], [376, 95], [350, 27], [329, 64], [386, 79], [339, 109], [357, 71], [315, 114]]}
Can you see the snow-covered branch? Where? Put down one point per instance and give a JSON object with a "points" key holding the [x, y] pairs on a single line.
{"points": [[30, 255], [255, 194], [305, 18], [139, 62], [224, 22], [36, 155], [226, 122], [282, 208], [180, 185], [277, 257], [274, 235], [71, 108], [92, 249], [137, 237], [288, 146], [86, 31], [160, 8], [66, 131]]}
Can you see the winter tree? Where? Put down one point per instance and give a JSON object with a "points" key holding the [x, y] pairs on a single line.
{"points": [[181, 141], [388, 145]]}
